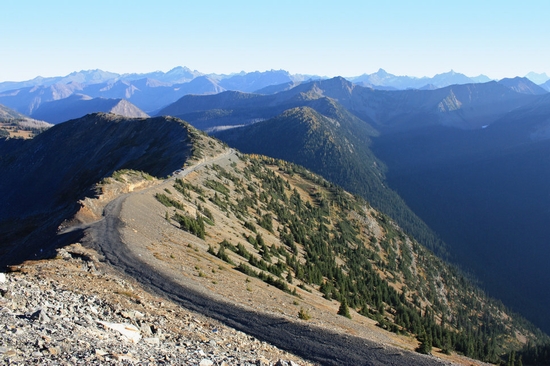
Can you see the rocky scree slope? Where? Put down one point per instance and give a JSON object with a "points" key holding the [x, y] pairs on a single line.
{"points": [[75, 309]]}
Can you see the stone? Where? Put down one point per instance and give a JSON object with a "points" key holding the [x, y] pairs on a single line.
{"points": [[206, 362], [146, 329], [40, 315], [10, 353], [3, 278], [100, 352], [131, 332]]}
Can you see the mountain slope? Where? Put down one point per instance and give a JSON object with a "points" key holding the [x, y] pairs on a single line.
{"points": [[334, 144], [315, 246], [522, 85], [488, 198], [58, 167], [78, 105], [15, 124], [437, 147]]}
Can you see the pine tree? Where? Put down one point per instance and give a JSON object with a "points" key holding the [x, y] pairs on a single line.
{"points": [[425, 346], [344, 310]]}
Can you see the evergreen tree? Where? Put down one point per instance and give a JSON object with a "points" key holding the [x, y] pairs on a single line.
{"points": [[344, 310], [425, 346]]}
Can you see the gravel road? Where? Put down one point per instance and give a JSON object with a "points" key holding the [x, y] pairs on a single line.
{"points": [[312, 343]]}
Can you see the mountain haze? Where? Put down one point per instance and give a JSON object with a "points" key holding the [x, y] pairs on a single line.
{"points": [[381, 78]]}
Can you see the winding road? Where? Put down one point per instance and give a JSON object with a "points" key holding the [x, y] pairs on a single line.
{"points": [[312, 343]]}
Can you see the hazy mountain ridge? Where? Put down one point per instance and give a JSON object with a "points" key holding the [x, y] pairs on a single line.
{"points": [[523, 85], [155, 90], [78, 105], [464, 106], [537, 78], [381, 78], [27, 100], [546, 86]]}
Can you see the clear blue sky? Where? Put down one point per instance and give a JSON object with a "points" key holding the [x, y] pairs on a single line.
{"points": [[340, 37]]}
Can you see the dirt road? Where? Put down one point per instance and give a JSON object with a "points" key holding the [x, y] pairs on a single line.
{"points": [[300, 338]]}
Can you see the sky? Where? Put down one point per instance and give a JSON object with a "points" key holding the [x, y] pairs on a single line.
{"points": [[327, 38]]}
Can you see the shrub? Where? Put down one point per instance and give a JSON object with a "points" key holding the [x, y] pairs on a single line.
{"points": [[304, 314]]}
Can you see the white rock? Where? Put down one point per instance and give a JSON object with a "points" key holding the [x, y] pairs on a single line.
{"points": [[154, 341], [3, 277], [128, 330], [206, 362], [101, 352]]}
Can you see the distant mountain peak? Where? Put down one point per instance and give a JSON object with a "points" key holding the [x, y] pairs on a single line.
{"points": [[538, 78], [522, 85]]}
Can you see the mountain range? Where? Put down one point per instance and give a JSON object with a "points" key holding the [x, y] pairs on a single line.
{"points": [[77, 105], [155, 90], [460, 169], [242, 220], [422, 147]]}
